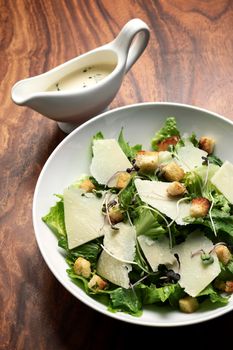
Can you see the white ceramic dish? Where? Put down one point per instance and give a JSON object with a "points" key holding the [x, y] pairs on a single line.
{"points": [[71, 159]]}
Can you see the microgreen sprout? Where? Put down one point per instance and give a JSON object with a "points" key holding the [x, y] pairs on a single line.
{"points": [[206, 258], [210, 214], [178, 209], [123, 260]]}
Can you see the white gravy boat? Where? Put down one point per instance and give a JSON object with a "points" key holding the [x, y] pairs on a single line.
{"points": [[84, 86]]}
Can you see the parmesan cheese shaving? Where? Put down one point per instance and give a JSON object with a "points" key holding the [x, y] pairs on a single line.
{"points": [[108, 159], [84, 220], [223, 180], [194, 275], [155, 194], [121, 245], [156, 251], [190, 157]]}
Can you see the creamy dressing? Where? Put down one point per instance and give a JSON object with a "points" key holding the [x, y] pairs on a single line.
{"points": [[83, 78]]}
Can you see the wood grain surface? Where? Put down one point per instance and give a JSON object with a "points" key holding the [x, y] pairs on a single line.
{"points": [[189, 59]]}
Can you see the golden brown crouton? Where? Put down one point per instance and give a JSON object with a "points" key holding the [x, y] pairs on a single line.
{"points": [[147, 161], [87, 185], [82, 267], [223, 253], [188, 304], [226, 286], [176, 189], [163, 145], [207, 144], [199, 207], [229, 287], [173, 172], [123, 179], [115, 214], [97, 283]]}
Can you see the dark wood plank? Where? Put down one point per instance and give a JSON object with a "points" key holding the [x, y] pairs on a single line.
{"points": [[189, 59]]}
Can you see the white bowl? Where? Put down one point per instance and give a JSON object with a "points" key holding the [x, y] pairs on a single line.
{"points": [[71, 159]]}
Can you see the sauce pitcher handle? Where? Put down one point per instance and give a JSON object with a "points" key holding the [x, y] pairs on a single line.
{"points": [[139, 31]]}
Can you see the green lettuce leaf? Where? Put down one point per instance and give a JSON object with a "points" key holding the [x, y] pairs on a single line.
{"points": [[129, 201], [89, 250], [226, 273], [148, 224], [223, 221], [214, 296], [97, 136], [130, 151], [152, 294], [169, 129], [55, 219], [126, 300]]}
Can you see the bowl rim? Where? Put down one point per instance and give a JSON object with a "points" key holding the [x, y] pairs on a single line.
{"points": [[87, 301]]}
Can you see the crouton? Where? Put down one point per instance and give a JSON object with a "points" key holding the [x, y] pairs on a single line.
{"points": [[82, 267], [123, 179], [163, 145], [206, 144], [224, 286], [188, 304], [97, 283], [223, 253], [199, 207], [172, 172], [115, 214], [87, 185], [147, 161], [176, 189]]}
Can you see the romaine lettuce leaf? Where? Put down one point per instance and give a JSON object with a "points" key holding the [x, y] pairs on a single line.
{"points": [[55, 219], [152, 294], [226, 271], [130, 151], [126, 300], [148, 224], [169, 129], [214, 296], [223, 221]]}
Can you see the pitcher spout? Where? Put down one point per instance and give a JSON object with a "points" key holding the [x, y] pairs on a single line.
{"points": [[24, 90]]}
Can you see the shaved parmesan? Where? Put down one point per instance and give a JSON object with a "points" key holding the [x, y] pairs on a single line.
{"points": [[84, 220], [223, 180], [120, 247], [155, 194], [121, 243], [108, 159], [113, 270], [194, 275], [156, 251], [190, 157]]}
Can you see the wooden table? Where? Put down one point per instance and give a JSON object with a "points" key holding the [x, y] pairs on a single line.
{"points": [[189, 59]]}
